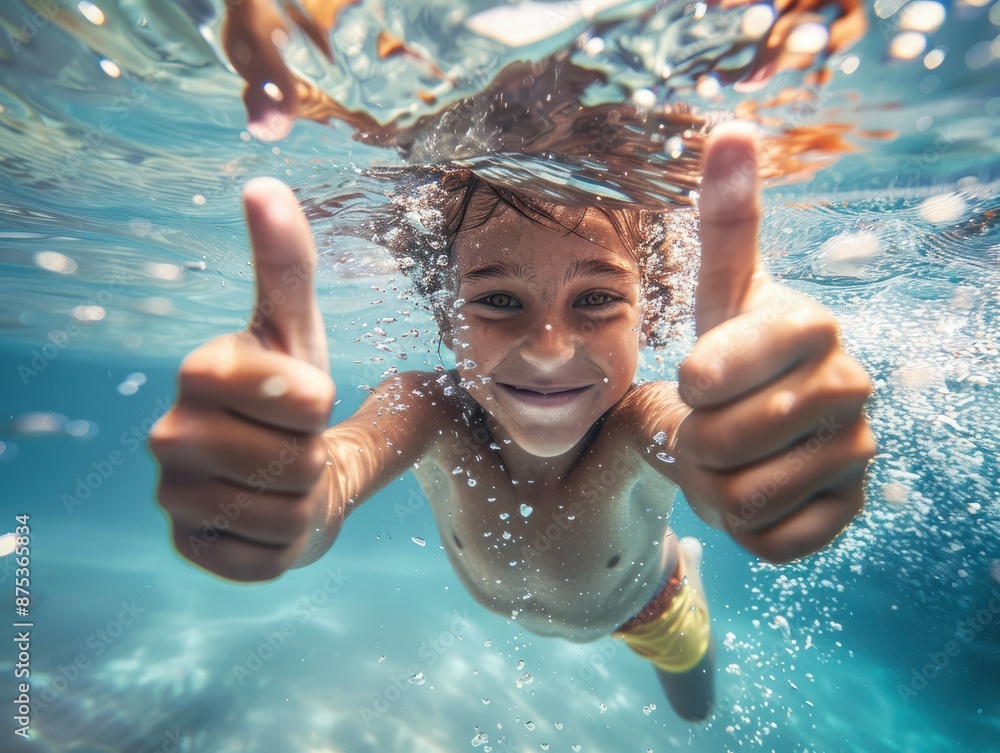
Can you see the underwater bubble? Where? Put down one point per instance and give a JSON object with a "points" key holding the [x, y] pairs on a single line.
{"points": [[530, 726], [39, 424], [907, 45], [660, 437], [418, 541], [472, 482], [665, 457], [757, 20], [520, 664], [91, 12], [89, 313], [644, 99], [198, 200], [594, 46], [81, 429], [674, 147], [8, 543], [381, 658], [945, 207], [934, 58], [418, 679], [486, 701], [708, 87], [850, 64], [526, 510], [603, 707], [922, 15], [8, 451], [558, 725], [111, 68], [808, 39], [53, 261]]}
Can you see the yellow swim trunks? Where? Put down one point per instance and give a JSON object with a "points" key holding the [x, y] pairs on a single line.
{"points": [[672, 630]]}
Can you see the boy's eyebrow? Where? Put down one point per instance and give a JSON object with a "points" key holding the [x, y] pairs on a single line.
{"points": [[498, 270], [598, 268]]}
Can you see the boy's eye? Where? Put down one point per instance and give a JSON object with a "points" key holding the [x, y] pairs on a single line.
{"points": [[598, 298], [497, 300]]}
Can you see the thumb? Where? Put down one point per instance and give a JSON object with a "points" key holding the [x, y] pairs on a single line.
{"points": [[729, 208], [286, 316]]}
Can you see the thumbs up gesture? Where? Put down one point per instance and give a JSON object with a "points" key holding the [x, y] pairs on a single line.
{"points": [[242, 455], [776, 445]]}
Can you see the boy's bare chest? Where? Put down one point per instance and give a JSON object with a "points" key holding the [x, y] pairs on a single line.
{"points": [[584, 549]]}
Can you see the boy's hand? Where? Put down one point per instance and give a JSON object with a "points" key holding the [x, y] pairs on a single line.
{"points": [[776, 446], [242, 455]]}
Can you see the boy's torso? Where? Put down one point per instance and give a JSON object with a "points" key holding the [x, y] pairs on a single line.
{"points": [[574, 559]]}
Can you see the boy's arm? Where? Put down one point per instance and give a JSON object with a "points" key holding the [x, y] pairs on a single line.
{"points": [[765, 427], [393, 429]]}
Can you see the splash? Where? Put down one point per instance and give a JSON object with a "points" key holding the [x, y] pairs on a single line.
{"points": [[594, 102]]}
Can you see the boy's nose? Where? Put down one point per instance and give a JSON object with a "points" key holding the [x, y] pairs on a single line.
{"points": [[550, 344]]}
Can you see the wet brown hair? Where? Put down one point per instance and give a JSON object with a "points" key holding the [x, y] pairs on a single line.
{"points": [[428, 214]]}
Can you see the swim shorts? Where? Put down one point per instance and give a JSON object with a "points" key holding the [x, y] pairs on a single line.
{"points": [[672, 630]]}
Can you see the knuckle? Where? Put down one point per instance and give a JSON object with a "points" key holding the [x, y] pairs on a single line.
{"points": [[165, 434], [314, 397], [208, 367]]}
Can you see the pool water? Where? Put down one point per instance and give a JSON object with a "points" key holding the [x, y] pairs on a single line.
{"points": [[122, 248]]}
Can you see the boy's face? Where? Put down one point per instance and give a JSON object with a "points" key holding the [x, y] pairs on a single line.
{"points": [[548, 333]]}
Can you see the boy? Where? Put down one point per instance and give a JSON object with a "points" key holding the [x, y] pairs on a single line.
{"points": [[764, 432]]}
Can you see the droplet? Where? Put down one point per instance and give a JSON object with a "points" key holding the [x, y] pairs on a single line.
{"points": [[53, 261], [504, 515], [520, 664], [526, 510], [644, 99], [472, 482], [559, 725], [381, 658], [486, 701], [418, 679], [660, 437], [418, 541], [665, 457], [530, 726]]}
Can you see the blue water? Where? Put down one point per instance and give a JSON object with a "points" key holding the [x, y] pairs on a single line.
{"points": [[887, 641]]}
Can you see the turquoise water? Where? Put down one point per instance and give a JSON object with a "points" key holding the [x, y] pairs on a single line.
{"points": [[131, 244]]}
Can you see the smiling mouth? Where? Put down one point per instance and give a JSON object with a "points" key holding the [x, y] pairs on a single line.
{"points": [[544, 395]]}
